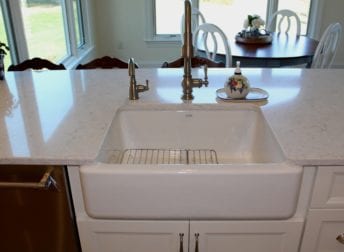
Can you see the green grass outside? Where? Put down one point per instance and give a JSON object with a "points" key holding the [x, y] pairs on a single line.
{"points": [[44, 31]]}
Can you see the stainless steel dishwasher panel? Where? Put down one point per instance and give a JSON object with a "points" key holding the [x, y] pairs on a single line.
{"points": [[35, 210]]}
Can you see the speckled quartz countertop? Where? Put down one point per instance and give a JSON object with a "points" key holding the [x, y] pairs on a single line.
{"points": [[61, 117]]}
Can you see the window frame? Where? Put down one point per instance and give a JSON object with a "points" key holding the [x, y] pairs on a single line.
{"points": [[16, 34], [151, 35], [314, 19]]}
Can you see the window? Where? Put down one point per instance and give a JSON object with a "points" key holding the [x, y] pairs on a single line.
{"points": [[302, 9], [44, 29], [165, 11], [229, 15], [3, 36], [78, 23], [51, 29]]}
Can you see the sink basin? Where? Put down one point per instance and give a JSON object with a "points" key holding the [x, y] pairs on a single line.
{"points": [[238, 135], [190, 162]]}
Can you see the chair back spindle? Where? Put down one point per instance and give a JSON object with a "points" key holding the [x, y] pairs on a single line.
{"points": [[205, 38], [284, 18]]}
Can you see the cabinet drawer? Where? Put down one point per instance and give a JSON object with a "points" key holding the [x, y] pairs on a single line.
{"points": [[329, 188], [322, 229]]}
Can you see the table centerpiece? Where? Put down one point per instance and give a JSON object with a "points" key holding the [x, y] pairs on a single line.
{"points": [[253, 33]]}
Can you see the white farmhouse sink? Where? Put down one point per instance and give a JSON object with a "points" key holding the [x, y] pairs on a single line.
{"points": [[190, 162]]}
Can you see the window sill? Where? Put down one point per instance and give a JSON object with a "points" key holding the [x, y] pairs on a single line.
{"points": [[160, 42], [72, 62], [172, 41]]}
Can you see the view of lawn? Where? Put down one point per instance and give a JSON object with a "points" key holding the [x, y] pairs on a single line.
{"points": [[44, 31]]}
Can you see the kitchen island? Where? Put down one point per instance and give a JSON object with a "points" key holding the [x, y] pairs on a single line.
{"points": [[62, 117]]}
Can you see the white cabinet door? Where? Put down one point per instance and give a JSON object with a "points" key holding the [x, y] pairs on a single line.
{"points": [[246, 236], [329, 188], [322, 229], [132, 236]]}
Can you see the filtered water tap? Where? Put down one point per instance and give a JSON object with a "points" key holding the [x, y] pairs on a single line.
{"points": [[134, 88]]}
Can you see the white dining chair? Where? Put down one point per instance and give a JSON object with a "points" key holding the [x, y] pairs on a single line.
{"points": [[327, 48], [197, 18], [283, 20], [205, 38]]}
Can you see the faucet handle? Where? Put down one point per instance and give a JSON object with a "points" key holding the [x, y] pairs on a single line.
{"points": [[143, 88]]}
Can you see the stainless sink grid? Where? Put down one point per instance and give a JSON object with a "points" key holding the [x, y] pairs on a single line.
{"points": [[168, 156]]}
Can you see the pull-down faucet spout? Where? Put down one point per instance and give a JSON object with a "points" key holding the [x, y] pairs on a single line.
{"points": [[188, 82]]}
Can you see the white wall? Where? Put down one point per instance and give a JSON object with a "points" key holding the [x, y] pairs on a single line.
{"points": [[120, 31]]}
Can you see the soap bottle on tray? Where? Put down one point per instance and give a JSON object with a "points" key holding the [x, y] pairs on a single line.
{"points": [[237, 86]]}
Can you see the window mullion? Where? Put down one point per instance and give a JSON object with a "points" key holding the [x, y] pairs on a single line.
{"points": [[81, 24], [195, 3], [85, 8], [69, 28], [271, 9], [315, 19], [150, 19]]}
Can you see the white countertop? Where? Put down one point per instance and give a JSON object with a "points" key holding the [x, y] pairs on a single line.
{"points": [[61, 117]]}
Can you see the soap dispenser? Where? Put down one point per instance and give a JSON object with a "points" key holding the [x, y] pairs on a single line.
{"points": [[237, 86]]}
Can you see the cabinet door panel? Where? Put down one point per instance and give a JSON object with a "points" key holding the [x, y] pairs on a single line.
{"points": [[329, 188], [132, 236], [246, 236], [322, 229]]}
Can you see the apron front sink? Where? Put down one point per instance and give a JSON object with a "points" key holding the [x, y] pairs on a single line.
{"points": [[190, 162]]}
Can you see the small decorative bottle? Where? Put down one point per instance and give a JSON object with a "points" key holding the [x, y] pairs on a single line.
{"points": [[237, 86]]}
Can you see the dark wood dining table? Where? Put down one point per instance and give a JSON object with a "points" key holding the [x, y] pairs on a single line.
{"points": [[284, 50]]}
